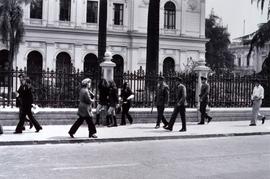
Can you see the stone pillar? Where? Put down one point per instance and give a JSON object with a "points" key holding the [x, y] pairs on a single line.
{"points": [[107, 67], [200, 70]]}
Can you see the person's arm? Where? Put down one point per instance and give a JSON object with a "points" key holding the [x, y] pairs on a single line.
{"points": [[184, 94], [205, 92], [166, 95]]}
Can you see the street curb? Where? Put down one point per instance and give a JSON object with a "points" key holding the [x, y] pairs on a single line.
{"points": [[126, 139]]}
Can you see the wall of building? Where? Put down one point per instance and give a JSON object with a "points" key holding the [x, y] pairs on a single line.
{"points": [[49, 36]]}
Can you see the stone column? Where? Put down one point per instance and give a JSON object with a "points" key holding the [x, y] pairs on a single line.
{"points": [[107, 67], [200, 70]]}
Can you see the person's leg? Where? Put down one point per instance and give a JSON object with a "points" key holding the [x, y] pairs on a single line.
{"points": [[163, 119], [98, 109], [128, 115], [183, 118], [173, 118], [76, 125], [91, 127], [124, 113], [255, 110], [20, 125], [159, 117], [33, 120], [202, 110]]}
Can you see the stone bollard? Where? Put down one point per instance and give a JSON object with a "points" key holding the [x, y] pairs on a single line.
{"points": [[107, 66], [200, 70]]}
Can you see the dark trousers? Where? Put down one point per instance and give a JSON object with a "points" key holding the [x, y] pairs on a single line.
{"points": [[204, 115], [178, 109], [160, 110], [125, 110], [22, 115], [91, 127]]}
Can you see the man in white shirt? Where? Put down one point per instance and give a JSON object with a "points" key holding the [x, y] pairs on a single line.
{"points": [[257, 97]]}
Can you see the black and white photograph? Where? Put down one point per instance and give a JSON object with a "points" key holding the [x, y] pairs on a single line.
{"points": [[134, 89]]}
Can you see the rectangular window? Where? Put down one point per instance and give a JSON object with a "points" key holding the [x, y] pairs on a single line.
{"points": [[65, 10], [36, 9], [118, 13], [92, 12]]}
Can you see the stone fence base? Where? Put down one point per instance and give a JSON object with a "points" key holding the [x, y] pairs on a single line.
{"points": [[49, 116]]}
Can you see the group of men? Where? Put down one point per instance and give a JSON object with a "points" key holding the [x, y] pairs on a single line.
{"points": [[162, 98]]}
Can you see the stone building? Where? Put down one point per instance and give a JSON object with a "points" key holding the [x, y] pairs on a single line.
{"points": [[64, 33], [242, 65]]}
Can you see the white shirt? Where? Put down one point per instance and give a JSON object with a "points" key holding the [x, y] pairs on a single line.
{"points": [[258, 92]]}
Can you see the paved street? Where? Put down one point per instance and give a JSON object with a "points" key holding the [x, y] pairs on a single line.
{"points": [[230, 157]]}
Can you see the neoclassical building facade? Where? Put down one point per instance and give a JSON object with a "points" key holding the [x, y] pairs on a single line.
{"points": [[64, 33], [243, 65]]}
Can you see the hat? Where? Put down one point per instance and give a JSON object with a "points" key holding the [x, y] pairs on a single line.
{"points": [[85, 81], [178, 79], [203, 78], [21, 75], [161, 78]]}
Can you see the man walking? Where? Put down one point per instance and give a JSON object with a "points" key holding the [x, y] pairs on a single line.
{"points": [[204, 100], [180, 106], [162, 98], [257, 97]]}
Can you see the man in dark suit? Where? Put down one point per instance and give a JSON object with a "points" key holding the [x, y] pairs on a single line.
{"points": [[204, 100], [161, 99], [180, 106], [26, 99]]}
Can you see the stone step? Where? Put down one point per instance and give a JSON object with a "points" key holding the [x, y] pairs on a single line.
{"points": [[47, 116]]}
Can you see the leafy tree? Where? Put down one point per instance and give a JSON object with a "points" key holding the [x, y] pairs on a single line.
{"points": [[11, 25], [261, 37], [11, 29], [218, 56]]}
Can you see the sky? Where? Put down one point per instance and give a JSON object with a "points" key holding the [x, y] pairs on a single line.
{"points": [[235, 12]]}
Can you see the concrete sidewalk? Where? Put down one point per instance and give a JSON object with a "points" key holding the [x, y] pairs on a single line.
{"points": [[57, 134]]}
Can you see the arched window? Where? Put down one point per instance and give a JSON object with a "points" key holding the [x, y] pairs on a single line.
{"points": [[168, 66], [63, 63], [91, 64], [63, 69], [36, 9], [169, 15], [34, 66], [118, 70], [65, 10]]}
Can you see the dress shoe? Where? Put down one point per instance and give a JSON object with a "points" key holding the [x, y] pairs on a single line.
{"points": [[252, 124], [201, 123], [157, 126], [209, 119], [263, 119], [183, 130], [93, 136], [38, 129], [168, 128], [17, 132], [71, 135]]}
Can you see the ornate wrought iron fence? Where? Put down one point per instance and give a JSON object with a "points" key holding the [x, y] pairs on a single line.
{"points": [[228, 90], [60, 89]]}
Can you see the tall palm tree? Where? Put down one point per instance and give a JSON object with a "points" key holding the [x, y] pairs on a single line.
{"points": [[11, 29], [262, 35], [102, 31], [152, 53]]}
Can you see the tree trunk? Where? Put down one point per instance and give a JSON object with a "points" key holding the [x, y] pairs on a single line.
{"points": [[10, 67], [102, 31], [152, 54]]}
